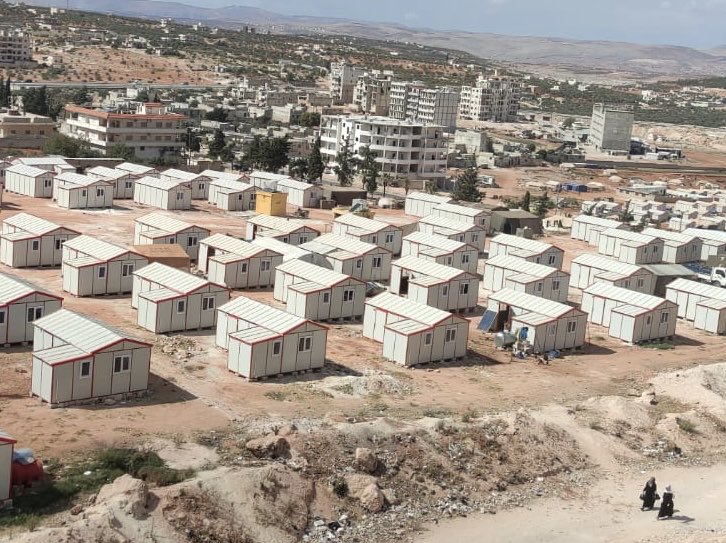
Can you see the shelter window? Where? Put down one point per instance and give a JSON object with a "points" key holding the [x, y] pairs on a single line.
{"points": [[276, 348], [648, 320], [374, 239], [450, 335], [35, 245], [464, 259], [172, 240], [102, 272], [474, 238], [208, 303], [2, 317], [127, 269], [85, 369], [192, 241], [100, 193], [389, 237], [641, 282], [552, 329], [556, 284], [445, 290], [571, 327], [34, 313], [264, 265], [121, 364], [428, 338], [540, 286], [359, 263], [348, 295], [47, 183], [304, 344], [243, 267], [326, 297], [179, 195], [84, 193], [376, 261], [464, 288], [663, 318], [59, 244], [181, 306], [551, 260], [129, 184]]}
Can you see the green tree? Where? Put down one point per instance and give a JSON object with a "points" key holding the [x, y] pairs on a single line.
{"points": [[525, 203], [36, 101], [227, 154], [59, 144], [541, 205], [531, 147], [3, 98], [299, 168], [316, 165], [310, 119], [567, 123], [466, 187], [386, 178], [276, 153], [121, 150], [217, 145], [345, 168], [80, 96], [370, 169], [217, 114]]}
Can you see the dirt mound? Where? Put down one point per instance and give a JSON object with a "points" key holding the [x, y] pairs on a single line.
{"points": [[703, 386]]}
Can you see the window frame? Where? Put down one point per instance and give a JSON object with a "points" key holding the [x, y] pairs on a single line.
{"points": [[84, 363], [124, 364], [208, 303], [183, 305], [304, 344]]}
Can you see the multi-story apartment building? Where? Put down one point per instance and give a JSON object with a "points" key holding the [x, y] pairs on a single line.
{"points": [[405, 149], [493, 98], [401, 98], [151, 132], [417, 102], [371, 93], [16, 46], [343, 79], [611, 128], [24, 130]]}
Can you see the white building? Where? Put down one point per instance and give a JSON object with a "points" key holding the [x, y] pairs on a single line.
{"points": [[507, 271], [54, 164], [235, 263], [299, 193], [263, 341], [29, 181], [379, 233], [458, 211], [21, 304], [714, 242], [198, 181], [348, 256], [611, 128], [441, 250], [436, 285], [285, 230], [421, 204], [160, 229], [75, 191], [631, 317], [403, 149], [79, 360], [417, 102], [318, 294], [170, 194], [138, 170], [704, 305], [677, 247], [531, 250], [343, 79], [232, 195], [471, 234], [631, 247], [588, 269], [588, 228], [414, 333], [123, 181], [28, 241], [492, 99], [288, 252]]}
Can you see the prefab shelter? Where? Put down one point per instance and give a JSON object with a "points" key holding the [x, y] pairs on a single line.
{"points": [[232, 195], [263, 341], [463, 232], [677, 247], [7, 447], [588, 268], [510, 221], [506, 271], [631, 247], [420, 204], [160, 229], [379, 233], [318, 294], [714, 242], [348, 256], [629, 316], [235, 263], [441, 250], [531, 250], [266, 181], [198, 182], [286, 230], [29, 181], [139, 170], [172, 300], [550, 325], [588, 228], [21, 304], [76, 191], [413, 333], [28, 241], [47, 163], [170, 194], [299, 193], [78, 360], [436, 285], [690, 297], [711, 316], [473, 214], [123, 181], [288, 252], [93, 267]]}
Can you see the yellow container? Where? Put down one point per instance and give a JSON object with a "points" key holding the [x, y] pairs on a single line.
{"points": [[271, 203]]}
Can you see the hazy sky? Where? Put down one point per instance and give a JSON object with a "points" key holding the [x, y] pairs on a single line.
{"points": [[698, 23]]}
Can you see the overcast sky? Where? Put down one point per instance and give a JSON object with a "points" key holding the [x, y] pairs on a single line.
{"points": [[698, 23]]}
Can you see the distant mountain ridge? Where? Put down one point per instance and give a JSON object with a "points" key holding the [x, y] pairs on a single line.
{"points": [[578, 55]]}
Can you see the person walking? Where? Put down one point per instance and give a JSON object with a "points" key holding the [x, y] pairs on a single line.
{"points": [[666, 506], [649, 495]]}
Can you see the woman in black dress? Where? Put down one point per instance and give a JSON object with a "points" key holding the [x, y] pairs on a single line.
{"points": [[649, 494], [666, 506]]}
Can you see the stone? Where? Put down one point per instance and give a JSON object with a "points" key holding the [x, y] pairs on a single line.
{"points": [[372, 498], [357, 482], [128, 493], [366, 460], [270, 446], [390, 495], [287, 430], [76, 510]]}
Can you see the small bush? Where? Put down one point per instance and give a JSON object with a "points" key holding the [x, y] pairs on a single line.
{"points": [[340, 487], [686, 425], [596, 426]]}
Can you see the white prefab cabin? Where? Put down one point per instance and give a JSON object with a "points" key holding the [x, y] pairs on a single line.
{"points": [[631, 247], [441, 250], [232, 195], [235, 263], [588, 269], [470, 234], [76, 191], [28, 241], [299, 193], [79, 360], [286, 230], [93, 267], [421, 204], [288, 252], [414, 333], [629, 316], [47, 163], [139, 170], [160, 229], [464, 213], [714, 242], [436, 285], [550, 325], [21, 304], [588, 228], [170, 194], [318, 294], [29, 181], [227, 176], [123, 181], [702, 304], [506, 271], [7, 447], [197, 181], [349, 256], [528, 249], [172, 300], [379, 233], [677, 247], [264, 341], [265, 180]]}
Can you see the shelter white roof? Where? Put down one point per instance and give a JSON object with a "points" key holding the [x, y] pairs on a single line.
{"points": [[364, 224], [426, 197], [429, 268], [531, 303], [313, 273], [166, 223], [529, 245], [96, 248], [409, 309], [670, 236], [28, 171], [632, 238], [294, 184], [78, 180], [107, 173], [718, 236], [264, 315], [279, 224], [136, 169], [231, 185], [601, 262], [285, 249], [598, 221], [438, 242], [451, 207], [13, 288], [521, 265], [452, 225], [232, 245], [694, 287], [222, 176], [163, 184], [171, 278], [31, 224], [328, 243], [624, 295], [181, 175]]}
